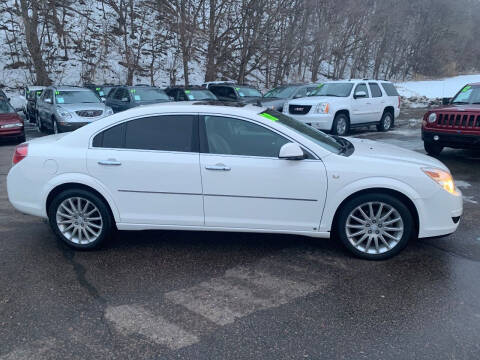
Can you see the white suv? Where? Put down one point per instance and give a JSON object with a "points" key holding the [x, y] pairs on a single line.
{"points": [[337, 106]]}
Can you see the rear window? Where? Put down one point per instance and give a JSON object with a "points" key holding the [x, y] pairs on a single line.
{"points": [[390, 89]]}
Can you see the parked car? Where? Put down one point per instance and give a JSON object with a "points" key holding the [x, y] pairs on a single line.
{"points": [[32, 93], [337, 106], [101, 90], [208, 83], [241, 93], [190, 167], [190, 93], [456, 125], [67, 108], [277, 97], [122, 98], [11, 124]]}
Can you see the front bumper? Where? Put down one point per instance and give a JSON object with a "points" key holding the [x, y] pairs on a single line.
{"points": [[452, 139], [12, 132], [65, 126], [318, 121], [440, 214]]}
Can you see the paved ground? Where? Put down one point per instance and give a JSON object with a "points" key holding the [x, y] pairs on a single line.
{"points": [[191, 295]]}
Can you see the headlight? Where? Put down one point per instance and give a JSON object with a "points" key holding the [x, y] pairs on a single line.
{"points": [[285, 108], [442, 178], [432, 118], [322, 108], [109, 111], [64, 114], [9, 126]]}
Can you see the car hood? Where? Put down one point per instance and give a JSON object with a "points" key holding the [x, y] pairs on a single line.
{"points": [[276, 102], [149, 102], [81, 106], [314, 100], [376, 150], [9, 118], [464, 107]]}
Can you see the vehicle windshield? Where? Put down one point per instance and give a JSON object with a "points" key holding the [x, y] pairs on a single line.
{"points": [[248, 92], [468, 95], [282, 92], [200, 94], [6, 108], [333, 89], [76, 97], [318, 137], [149, 94], [32, 95]]}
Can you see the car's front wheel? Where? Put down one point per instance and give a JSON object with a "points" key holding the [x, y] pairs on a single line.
{"points": [[341, 125], [80, 218], [432, 149], [375, 226]]}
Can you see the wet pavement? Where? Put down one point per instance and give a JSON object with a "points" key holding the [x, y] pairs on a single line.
{"points": [[193, 295]]}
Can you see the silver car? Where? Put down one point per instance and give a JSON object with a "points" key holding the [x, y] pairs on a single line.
{"points": [[66, 108]]}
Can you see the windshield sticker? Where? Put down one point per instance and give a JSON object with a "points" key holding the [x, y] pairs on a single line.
{"points": [[187, 91], [39, 92], [137, 97], [57, 92], [60, 100], [237, 89], [101, 93], [466, 88], [241, 93], [319, 86], [269, 117], [98, 89], [133, 91], [191, 97]]}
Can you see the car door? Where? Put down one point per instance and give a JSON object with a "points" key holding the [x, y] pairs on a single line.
{"points": [[246, 185], [150, 165], [45, 107], [362, 109], [378, 101]]}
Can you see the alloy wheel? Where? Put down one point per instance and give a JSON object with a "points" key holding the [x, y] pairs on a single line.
{"points": [[341, 126], [374, 227], [387, 122], [79, 220]]}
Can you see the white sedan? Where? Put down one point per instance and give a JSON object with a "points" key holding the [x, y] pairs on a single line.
{"points": [[200, 166]]}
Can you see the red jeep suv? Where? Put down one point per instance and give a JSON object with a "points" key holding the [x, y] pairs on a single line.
{"points": [[456, 125]]}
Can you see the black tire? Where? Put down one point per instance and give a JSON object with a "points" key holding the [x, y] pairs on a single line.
{"points": [[339, 130], [354, 203], [55, 129], [40, 126], [432, 149], [386, 122], [103, 210], [21, 138]]}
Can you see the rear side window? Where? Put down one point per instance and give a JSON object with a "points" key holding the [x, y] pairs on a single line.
{"points": [[390, 89], [166, 133], [111, 138], [375, 90]]}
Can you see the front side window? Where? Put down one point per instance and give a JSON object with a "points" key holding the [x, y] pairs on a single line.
{"points": [[76, 97], [163, 133], [6, 108], [230, 136], [121, 94], [360, 88]]}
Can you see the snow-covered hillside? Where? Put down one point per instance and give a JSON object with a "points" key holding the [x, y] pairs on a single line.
{"points": [[433, 89]]}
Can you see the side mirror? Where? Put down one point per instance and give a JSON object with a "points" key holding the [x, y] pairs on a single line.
{"points": [[19, 109], [291, 151], [446, 101], [360, 94], [8, 99], [48, 101], [103, 99]]}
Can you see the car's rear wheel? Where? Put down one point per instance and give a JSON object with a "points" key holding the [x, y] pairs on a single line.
{"points": [[80, 218], [432, 149], [341, 125], [386, 123], [375, 226]]}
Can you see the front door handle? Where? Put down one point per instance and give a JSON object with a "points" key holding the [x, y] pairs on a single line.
{"points": [[110, 162], [218, 167]]}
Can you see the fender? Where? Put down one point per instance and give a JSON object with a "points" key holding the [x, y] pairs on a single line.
{"points": [[83, 179], [339, 192]]}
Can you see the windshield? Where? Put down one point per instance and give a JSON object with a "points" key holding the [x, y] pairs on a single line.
{"points": [[149, 94], [200, 95], [6, 108], [333, 89], [248, 92], [76, 97], [468, 95], [282, 92], [305, 130]]}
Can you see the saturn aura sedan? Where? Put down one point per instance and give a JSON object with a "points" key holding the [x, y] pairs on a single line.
{"points": [[243, 168]]}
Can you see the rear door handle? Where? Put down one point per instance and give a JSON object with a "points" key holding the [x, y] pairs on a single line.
{"points": [[110, 162], [218, 167]]}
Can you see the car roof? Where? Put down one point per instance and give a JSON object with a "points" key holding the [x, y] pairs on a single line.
{"points": [[475, 84], [34, 87]]}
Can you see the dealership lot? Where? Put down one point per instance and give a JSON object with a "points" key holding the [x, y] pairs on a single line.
{"points": [[226, 295]]}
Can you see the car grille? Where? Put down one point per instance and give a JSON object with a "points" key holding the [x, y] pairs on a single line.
{"points": [[89, 113], [455, 120], [299, 109]]}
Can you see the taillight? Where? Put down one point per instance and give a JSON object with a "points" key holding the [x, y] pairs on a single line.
{"points": [[399, 102], [21, 152]]}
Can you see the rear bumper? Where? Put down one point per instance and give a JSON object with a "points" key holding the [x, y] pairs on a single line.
{"points": [[451, 139]]}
